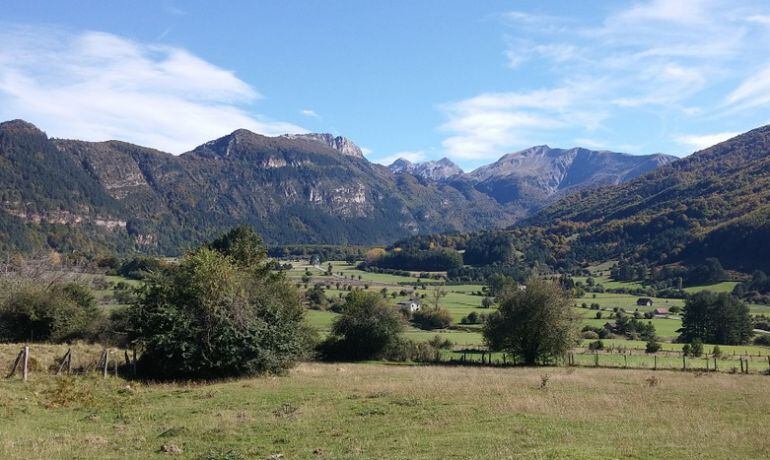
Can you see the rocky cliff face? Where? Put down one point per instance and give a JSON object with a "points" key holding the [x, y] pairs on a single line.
{"points": [[341, 144], [527, 180], [309, 188], [292, 189], [434, 170]]}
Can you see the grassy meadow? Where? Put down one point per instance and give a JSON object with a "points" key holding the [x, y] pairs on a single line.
{"points": [[361, 411]]}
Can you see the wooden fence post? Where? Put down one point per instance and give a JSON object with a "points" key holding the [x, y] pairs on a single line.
{"points": [[15, 364], [596, 359], [715, 364], [684, 362], [105, 363], [133, 369], [655, 362], [64, 362], [26, 363]]}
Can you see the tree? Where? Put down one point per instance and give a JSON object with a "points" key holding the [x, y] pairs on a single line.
{"points": [[715, 318], [436, 295], [364, 330], [709, 272], [537, 323], [498, 285], [212, 317], [243, 245]]}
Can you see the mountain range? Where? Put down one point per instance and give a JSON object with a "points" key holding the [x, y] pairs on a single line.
{"points": [[713, 203], [74, 195]]}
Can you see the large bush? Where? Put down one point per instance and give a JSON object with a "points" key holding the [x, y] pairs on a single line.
{"points": [[430, 318], [212, 317], [367, 327], [536, 324], [53, 313]]}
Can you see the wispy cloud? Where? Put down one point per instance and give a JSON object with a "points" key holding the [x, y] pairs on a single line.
{"points": [[411, 155], [700, 142], [651, 59], [97, 86], [309, 113]]}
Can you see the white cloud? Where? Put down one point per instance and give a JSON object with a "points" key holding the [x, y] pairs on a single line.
{"points": [[654, 59], [414, 156], [753, 91], [700, 142], [763, 19], [98, 86], [309, 113], [489, 124]]}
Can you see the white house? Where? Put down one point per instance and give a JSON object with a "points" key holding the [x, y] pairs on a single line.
{"points": [[410, 305]]}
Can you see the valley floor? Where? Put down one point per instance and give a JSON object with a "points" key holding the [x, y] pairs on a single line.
{"points": [[393, 412]]}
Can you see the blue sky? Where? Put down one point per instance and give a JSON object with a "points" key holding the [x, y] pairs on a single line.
{"points": [[419, 79]]}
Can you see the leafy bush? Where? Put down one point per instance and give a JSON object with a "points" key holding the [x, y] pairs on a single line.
{"points": [[139, 268], [597, 345], [652, 346], [57, 313], [537, 323], [430, 318], [210, 318], [366, 327], [590, 335]]}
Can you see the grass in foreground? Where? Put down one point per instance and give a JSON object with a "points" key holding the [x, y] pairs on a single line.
{"points": [[396, 412]]}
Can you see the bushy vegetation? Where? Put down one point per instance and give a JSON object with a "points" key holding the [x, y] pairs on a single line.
{"points": [[430, 260], [217, 315], [430, 318], [366, 329], [54, 313], [537, 324]]}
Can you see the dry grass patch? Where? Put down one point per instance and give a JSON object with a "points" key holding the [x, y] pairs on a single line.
{"points": [[396, 412]]}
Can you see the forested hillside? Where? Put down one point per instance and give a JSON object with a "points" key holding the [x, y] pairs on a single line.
{"points": [[714, 203]]}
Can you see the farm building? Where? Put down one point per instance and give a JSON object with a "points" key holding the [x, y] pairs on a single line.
{"points": [[644, 302], [660, 311], [410, 305]]}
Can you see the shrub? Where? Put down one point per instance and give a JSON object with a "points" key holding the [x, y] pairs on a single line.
{"points": [[590, 335], [432, 318], [56, 313], [212, 317], [696, 348], [652, 346], [763, 339], [597, 345], [366, 327]]}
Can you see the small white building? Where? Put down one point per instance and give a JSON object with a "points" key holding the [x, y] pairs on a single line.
{"points": [[410, 305]]}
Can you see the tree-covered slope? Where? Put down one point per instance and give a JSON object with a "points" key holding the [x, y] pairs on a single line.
{"points": [[714, 203]]}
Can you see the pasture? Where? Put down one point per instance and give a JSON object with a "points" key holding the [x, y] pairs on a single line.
{"points": [[362, 411]]}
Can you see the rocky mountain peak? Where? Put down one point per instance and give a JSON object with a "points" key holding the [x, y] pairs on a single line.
{"points": [[433, 170], [341, 144], [20, 127]]}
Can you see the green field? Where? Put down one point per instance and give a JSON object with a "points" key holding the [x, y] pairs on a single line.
{"points": [[374, 411], [462, 299]]}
